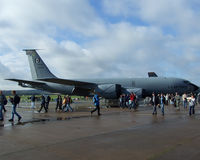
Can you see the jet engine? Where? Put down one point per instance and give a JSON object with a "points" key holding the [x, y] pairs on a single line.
{"points": [[109, 91], [138, 91], [24, 85]]}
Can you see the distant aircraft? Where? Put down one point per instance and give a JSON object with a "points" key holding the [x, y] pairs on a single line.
{"points": [[110, 88]]}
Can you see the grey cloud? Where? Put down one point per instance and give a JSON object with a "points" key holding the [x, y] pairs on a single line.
{"points": [[6, 73], [5, 24], [48, 14]]}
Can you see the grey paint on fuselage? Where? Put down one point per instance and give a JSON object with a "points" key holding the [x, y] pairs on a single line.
{"points": [[149, 85]]}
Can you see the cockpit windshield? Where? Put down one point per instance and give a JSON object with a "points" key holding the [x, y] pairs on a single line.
{"points": [[186, 82]]}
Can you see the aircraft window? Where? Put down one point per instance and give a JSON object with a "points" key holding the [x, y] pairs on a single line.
{"points": [[187, 82]]}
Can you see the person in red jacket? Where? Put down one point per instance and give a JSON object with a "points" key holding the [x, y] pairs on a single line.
{"points": [[132, 100]]}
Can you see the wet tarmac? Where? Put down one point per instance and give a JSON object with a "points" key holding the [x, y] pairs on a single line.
{"points": [[116, 134]]}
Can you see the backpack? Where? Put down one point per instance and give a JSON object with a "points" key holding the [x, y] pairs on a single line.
{"points": [[17, 99], [94, 100]]}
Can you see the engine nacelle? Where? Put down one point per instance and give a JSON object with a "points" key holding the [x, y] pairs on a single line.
{"points": [[109, 91], [137, 91], [24, 85]]}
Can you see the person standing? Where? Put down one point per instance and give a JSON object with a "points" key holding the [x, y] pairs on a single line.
{"points": [[68, 102], [158, 100], [195, 96], [120, 101], [5, 102], [64, 102], [132, 100], [43, 104], [2, 103], [154, 102], [167, 99], [127, 97], [15, 101], [170, 99], [177, 100], [192, 105], [123, 101], [59, 103], [198, 98], [135, 101], [33, 102], [96, 102], [184, 99], [48, 99], [162, 103]]}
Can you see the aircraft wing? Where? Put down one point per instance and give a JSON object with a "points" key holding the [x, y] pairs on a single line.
{"points": [[68, 82], [26, 81]]}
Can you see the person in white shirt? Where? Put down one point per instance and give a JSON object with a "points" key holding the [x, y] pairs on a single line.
{"points": [[192, 105], [184, 99]]}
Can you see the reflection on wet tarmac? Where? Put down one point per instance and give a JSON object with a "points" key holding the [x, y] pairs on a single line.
{"points": [[143, 114], [117, 134]]}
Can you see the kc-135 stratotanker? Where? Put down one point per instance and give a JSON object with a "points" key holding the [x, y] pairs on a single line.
{"points": [[108, 88]]}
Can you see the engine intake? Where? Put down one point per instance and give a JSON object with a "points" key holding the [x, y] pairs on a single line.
{"points": [[109, 91], [138, 91]]}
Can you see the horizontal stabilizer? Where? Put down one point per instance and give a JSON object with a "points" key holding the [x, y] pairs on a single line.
{"points": [[26, 81], [152, 74], [68, 82]]}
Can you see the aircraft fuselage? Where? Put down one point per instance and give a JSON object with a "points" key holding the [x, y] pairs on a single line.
{"points": [[148, 85]]}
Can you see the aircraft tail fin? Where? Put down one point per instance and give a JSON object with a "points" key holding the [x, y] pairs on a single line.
{"points": [[39, 70]]}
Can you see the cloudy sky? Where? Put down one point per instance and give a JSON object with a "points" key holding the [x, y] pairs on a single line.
{"points": [[101, 38]]}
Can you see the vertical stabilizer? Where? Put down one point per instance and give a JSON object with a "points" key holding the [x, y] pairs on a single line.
{"points": [[38, 68]]}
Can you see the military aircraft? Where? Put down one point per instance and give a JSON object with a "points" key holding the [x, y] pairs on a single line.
{"points": [[110, 88]]}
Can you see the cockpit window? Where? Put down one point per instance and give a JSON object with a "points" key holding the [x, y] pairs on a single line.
{"points": [[187, 82]]}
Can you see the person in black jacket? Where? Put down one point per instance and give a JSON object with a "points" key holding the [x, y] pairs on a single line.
{"points": [[15, 101], [162, 103], [33, 102], [43, 104], [154, 102], [2, 103], [59, 103], [48, 99]]}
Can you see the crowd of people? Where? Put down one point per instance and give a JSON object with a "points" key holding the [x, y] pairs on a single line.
{"points": [[126, 101], [160, 100], [62, 104], [15, 100]]}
